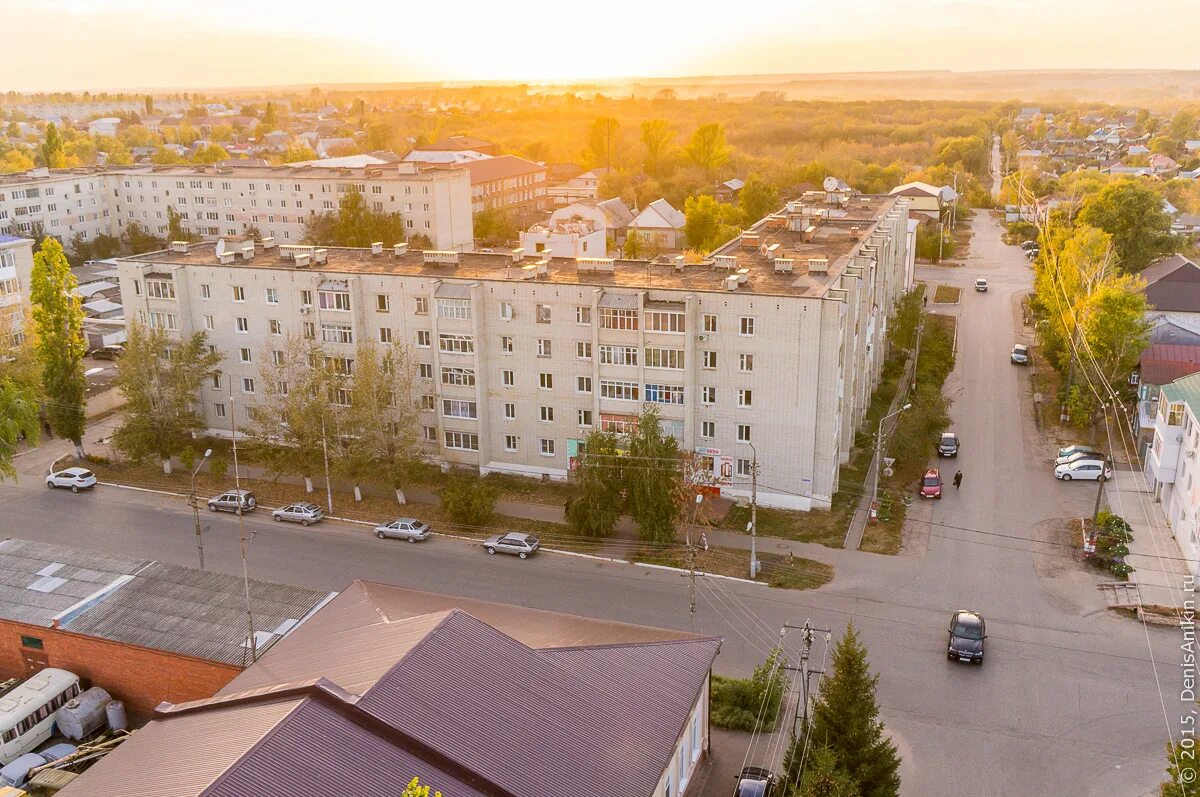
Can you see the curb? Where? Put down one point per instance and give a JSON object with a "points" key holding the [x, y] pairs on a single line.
{"points": [[558, 551]]}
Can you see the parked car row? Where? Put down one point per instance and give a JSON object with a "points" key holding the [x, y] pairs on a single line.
{"points": [[1082, 462]]}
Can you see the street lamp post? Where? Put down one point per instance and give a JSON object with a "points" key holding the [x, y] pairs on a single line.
{"points": [[195, 502], [879, 451], [753, 511]]}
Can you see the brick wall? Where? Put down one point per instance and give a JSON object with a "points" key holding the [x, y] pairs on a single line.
{"points": [[141, 677]]}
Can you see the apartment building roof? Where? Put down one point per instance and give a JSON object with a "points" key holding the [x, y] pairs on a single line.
{"points": [[252, 168], [818, 254], [500, 168]]}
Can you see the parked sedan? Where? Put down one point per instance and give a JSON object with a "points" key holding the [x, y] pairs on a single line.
{"points": [[405, 528], [107, 352], [931, 484], [754, 782], [303, 513], [967, 633], [948, 445], [515, 542], [235, 501], [1020, 354], [981, 285], [1078, 455], [1077, 448], [75, 478], [1084, 469]]}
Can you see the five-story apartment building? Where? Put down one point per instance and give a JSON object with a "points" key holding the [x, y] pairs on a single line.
{"points": [[767, 351]]}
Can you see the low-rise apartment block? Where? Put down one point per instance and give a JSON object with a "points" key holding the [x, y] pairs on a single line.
{"points": [[767, 350], [16, 267]]}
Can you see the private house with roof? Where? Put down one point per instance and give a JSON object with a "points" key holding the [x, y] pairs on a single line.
{"points": [[729, 191], [583, 229], [928, 200], [476, 699], [146, 631], [1173, 291], [1172, 465], [660, 226]]}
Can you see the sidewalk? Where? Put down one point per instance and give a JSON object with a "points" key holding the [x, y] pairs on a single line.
{"points": [[1159, 569]]}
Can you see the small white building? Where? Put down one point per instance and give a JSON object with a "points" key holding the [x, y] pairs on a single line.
{"points": [[572, 238], [928, 200], [660, 225], [103, 127]]}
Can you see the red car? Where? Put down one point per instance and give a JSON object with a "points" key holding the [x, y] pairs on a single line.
{"points": [[931, 484]]}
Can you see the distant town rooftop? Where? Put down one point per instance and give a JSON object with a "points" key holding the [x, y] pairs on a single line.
{"points": [[800, 251]]}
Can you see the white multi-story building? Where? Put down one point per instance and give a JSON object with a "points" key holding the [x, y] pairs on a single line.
{"points": [[213, 202], [16, 266], [768, 350], [1172, 465]]}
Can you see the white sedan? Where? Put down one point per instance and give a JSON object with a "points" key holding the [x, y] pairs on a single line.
{"points": [[75, 478], [1084, 469]]}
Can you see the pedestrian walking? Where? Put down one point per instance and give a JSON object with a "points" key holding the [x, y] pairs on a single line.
{"points": [[924, 301], [703, 541], [957, 479]]}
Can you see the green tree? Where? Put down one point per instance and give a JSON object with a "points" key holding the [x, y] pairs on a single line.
{"points": [[653, 489], [708, 149], [1181, 772], [209, 154], [1132, 214], [15, 160], [633, 248], [1113, 328], [597, 505], [60, 344], [601, 141], [52, 152], [298, 151], [657, 136], [175, 230], [845, 721], [18, 421], [270, 117], [380, 136], [149, 104], [709, 223], [495, 224], [469, 501], [757, 199], [137, 239], [164, 156], [160, 380], [823, 775], [354, 224]]}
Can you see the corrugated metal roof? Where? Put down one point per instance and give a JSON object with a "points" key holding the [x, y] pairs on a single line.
{"points": [[23, 563], [449, 289]]}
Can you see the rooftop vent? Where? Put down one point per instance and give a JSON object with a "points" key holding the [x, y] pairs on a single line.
{"points": [[818, 265], [292, 251], [517, 254], [400, 249], [783, 265], [225, 258], [302, 259], [247, 250], [268, 242], [771, 252], [604, 264], [441, 256], [377, 248], [743, 275], [725, 261], [320, 255], [795, 206], [178, 247], [731, 282], [678, 262], [749, 240], [809, 233]]}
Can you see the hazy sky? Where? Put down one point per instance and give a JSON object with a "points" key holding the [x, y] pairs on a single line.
{"points": [[98, 44]]}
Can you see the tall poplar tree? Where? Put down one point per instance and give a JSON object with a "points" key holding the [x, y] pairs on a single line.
{"points": [[60, 344]]}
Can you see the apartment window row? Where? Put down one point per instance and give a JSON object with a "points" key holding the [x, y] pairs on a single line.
{"points": [[456, 344]]}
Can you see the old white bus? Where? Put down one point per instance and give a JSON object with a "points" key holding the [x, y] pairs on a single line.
{"points": [[27, 712]]}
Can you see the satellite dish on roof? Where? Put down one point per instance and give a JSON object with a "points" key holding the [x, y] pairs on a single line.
{"points": [[220, 246], [831, 183]]}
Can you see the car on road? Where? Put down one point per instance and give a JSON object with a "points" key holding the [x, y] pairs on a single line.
{"points": [[931, 484], [303, 513], [1077, 448], [405, 528], [515, 542], [981, 285], [107, 352], [75, 478], [1019, 354], [1084, 469], [755, 782], [948, 445], [235, 501], [967, 633]]}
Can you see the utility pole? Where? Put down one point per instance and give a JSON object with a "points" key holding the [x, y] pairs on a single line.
{"points": [[241, 516], [325, 453], [753, 512], [1099, 493], [879, 452], [195, 504], [801, 716]]}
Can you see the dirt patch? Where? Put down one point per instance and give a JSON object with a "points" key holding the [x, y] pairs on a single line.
{"points": [[1059, 542], [946, 294]]}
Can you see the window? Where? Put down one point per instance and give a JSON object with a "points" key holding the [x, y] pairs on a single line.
{"points": [[167, 321], [205, 292], [31, 642], [542, 314], [247, 384], [664, 358], [708, 429], [622, 391], [424, 338], [459, 408], [337, 333], [583, 384], [664, 321], [546, 381], [743, 433], [456, 344], [745, 467], [425, 370], [747, 326], [208, 322], [239, 293], [745, 363], [583, 315], [745, 398], [276, 326], [547, 447], [383, 302], [340, 365], [506, 311], [277, 357], [216, 381], [219, 410], [272, 295], [612, 318], [427, 403], [710, 360], [458, 376], [454, 308], [160, 289], [429, 433], [510, 442], [422, 305], [243, 325], [664, 394], [583, 350], [544, 347], [334, 300], [462, 441], [709, 322], [546, 414], [508, 378], [506, 344], [510, 411], [618, 355], [341, 397], [385, 334], [584, 417], [306, 297], [310, 330]]}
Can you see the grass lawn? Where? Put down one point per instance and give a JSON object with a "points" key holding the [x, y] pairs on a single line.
{"points": [[946, 294], [777, 571]]}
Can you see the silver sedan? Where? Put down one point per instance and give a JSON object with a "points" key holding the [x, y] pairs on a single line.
{"points": [[405, 528], [303, 513], [515, 542]]}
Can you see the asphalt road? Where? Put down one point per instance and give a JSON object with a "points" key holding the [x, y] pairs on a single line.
{"points": [[1066, 704]]}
